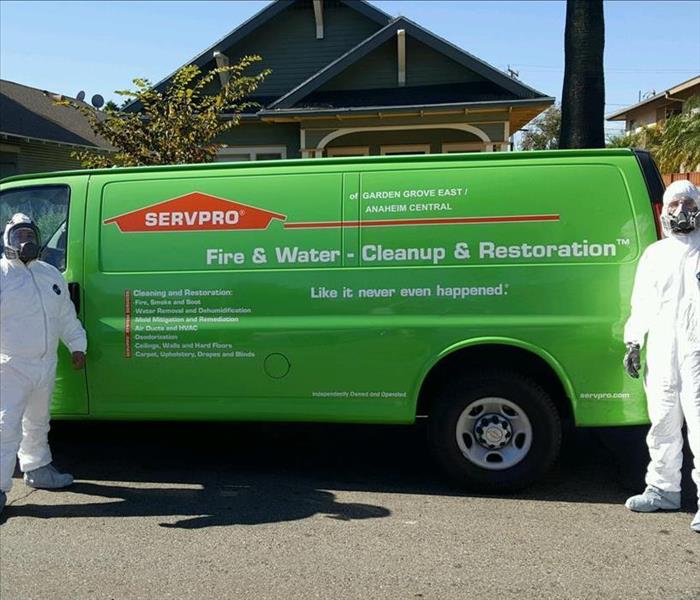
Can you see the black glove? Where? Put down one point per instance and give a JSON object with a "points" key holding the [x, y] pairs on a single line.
{"points": [[632, 361]]}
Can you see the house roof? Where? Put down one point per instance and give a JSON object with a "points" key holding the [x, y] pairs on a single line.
{"points": [[501, 82], [666, 94], [310, 96], [28, 112], [257, 20]]}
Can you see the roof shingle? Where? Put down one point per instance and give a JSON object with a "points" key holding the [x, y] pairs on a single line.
{"points": [[33, 113]]}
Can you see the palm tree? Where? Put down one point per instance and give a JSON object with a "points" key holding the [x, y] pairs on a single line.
{"points": [[583, 96]]}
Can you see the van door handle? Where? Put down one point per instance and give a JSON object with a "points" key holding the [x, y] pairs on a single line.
{"points": [[74, 292]]}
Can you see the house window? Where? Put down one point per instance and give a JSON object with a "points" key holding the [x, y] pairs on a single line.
{"points": [[406, 149], [245, 153], [348, 151], [463, 147], [8, 160], [8, 164]]}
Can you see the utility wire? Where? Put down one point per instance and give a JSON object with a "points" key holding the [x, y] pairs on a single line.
{"points": [[609, 70]]}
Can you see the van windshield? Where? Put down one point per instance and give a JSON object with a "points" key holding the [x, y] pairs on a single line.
{"points": [[47, 206]]}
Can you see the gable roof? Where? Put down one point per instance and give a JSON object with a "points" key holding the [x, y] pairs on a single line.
{"points": [[257, 20], [28, 112], [667, 94], [490, 73]]}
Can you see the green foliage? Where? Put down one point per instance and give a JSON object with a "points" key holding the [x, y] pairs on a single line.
{"points": [[174, 126], [648, 138], [621, 140], [680, 146], [543, 132], [674, 144]]}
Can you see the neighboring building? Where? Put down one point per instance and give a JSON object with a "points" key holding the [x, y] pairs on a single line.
{"points": [[657, 108], [38, 135], [347, 79]]}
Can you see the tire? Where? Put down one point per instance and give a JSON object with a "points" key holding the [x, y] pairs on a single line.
{"points": [[509, 431]]}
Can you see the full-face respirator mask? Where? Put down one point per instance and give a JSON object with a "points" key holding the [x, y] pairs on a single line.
{"points": [[22, 239], [682, 219], [680, 215]]}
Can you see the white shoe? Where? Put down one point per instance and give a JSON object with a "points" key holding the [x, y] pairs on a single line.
{"points": [[695, 525], [653, 499], [47, 478]]}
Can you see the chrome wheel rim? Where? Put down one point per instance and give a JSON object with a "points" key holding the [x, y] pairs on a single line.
{"points": [[494, 433]]}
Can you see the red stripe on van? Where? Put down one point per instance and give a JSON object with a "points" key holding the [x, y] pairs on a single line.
{"points": [[434, 221]]}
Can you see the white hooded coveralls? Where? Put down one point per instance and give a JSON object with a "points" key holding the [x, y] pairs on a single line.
{"points": [[35, 311], [666, 308]]}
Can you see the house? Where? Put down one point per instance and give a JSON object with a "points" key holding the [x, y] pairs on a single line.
{"points": [[657, 108], [348, 79], [38, 135]]}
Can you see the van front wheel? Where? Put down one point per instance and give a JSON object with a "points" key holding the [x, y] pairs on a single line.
{"points": [[494, 431]]}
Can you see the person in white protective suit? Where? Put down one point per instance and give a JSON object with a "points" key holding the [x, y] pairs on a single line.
{"points": [[35, 311], [666, 309]]}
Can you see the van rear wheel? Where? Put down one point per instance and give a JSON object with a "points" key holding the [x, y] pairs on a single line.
{"points": [[494, 431]]}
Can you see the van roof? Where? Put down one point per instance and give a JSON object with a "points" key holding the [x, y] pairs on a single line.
{"points": [[442, 158]]}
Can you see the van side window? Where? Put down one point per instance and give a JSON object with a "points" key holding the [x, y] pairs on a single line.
{"points": [[47, 206]]}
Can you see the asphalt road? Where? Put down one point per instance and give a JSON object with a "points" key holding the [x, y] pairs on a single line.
{"points": [[294, 511]]}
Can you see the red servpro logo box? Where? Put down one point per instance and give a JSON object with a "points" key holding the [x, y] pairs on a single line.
{"points": [[195, 211]]}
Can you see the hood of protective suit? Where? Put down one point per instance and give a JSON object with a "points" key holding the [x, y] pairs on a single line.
{"points": [[669, 220], [16, 219], [14, 251], [681, 188]]}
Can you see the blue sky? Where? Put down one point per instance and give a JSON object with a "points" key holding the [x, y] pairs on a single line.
{"points": [[100, 46]]}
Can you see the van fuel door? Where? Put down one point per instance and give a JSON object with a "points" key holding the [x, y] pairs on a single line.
{"points": [[277, 365]]}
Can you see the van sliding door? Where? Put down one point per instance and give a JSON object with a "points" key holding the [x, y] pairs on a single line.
{"points": [[217, 296]]}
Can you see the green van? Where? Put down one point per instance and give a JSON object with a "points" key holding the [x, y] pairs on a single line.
{"points": [[486, 292]]}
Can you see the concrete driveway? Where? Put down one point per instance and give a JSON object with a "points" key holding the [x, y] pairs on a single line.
{"points": [[296, 511]]}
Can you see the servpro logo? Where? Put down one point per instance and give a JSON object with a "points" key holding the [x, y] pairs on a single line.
{"points": [[195, 212]]}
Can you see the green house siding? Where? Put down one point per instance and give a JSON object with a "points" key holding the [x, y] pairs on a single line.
{"points": [[379, 69], [376, 139], [438, 135], [480, 120], [493, 130], [265, 134], [288, 44], [425, 66], [21, 156]]}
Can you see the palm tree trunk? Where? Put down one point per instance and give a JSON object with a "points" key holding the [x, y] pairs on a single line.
{"points": [[583, 96]]}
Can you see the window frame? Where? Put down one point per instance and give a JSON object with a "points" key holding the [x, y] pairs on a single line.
{"points": [[25, 188], [449, 147], [335, 151], [395, 149], [9, 155], [251, 151]]}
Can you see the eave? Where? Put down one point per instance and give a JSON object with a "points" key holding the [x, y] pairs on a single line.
{"points": [[298, 114]]}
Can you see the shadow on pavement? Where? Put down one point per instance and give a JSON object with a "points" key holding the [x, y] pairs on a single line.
{"points": [[223, 474], [250, 503]]}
